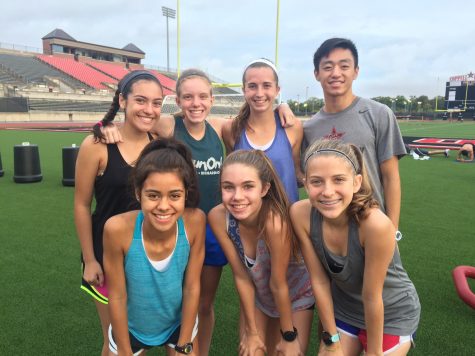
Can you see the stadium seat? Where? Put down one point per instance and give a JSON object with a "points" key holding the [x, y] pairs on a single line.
{"points": [[79, 71]]}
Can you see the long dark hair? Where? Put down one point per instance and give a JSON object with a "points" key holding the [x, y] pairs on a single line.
{"points": [[275, 202], [167, 155], [124, 87]]}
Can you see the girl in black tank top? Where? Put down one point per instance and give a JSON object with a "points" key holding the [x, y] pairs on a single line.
{"points": [[102, 173]]}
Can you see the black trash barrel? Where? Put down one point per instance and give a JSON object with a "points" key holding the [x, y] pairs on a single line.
{"points": [[69, 165], [26, 164], [1, 166]]}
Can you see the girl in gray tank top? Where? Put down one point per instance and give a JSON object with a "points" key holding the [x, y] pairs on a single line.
{"points": [[364, 296]]}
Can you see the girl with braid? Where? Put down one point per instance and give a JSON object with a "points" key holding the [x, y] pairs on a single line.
{"points": [[102, 173]]}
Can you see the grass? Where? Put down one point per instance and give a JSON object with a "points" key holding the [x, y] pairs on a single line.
{"points": [[44, 312]]}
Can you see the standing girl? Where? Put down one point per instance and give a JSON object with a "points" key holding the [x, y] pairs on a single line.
{"points": [[364, 297], [202, 134], [153, 257], [102, 171], [252, 226], [257, 127]]}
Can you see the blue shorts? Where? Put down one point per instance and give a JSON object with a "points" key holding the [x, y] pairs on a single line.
{"points": [[214, 255]]}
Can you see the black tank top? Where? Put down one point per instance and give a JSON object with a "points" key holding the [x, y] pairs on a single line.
{"points": [[113, 194]]}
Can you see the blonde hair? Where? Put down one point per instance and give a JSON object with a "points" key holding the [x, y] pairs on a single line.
{"points": [[192, 73], [363, 199]]}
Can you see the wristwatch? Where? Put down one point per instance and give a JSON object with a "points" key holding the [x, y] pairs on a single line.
{"points": [[186, 349], [289, 336], [330, 339], [398, 235]]}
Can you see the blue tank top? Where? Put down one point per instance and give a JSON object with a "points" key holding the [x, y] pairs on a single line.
{"points": [[154, 298], [280, 153]]}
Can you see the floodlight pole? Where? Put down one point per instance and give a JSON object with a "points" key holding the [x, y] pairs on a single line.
{"points": [[178, 37], [277, 35], [168, 13]]}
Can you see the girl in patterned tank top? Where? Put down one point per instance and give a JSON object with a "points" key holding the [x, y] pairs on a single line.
{"points": [[365, 299], [252, 226]]}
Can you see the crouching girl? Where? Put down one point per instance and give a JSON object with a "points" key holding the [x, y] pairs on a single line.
{"points": [[154, 256], [365, 298], [253, 227]]}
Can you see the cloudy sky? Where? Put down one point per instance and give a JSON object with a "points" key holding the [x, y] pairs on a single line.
{"points": [[406, 47]]}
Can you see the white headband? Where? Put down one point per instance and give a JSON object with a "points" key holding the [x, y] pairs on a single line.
{"points": [[264, 61]]}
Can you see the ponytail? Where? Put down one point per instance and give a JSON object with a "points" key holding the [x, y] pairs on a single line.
{"points": [[239, 124]]}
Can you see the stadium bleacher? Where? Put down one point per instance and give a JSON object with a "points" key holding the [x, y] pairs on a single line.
{"points": [[30, 70], [41, 83], [8, 78], [80, 71], [67, 105], [167, 83], [113, 70]]}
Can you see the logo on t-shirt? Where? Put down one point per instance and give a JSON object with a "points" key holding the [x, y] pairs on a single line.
{"points": [[334, 135], [211, 166]]}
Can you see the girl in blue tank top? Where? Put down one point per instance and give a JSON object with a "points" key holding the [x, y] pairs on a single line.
{"points": [[153, 257], [256, 126], [365, 298], [202, 134]]}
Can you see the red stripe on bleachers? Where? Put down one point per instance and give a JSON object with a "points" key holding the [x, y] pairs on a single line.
{"points": [[114, 70], [79, 71], [166, 82]]}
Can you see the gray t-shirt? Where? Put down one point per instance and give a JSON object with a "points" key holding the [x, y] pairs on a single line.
{"points": [[367, 124]]}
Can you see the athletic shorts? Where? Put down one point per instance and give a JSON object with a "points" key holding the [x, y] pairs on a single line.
{"points": [[101, 294], [138, 347], [214, 255], [390, 342]]}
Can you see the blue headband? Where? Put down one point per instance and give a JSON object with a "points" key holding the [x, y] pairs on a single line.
{"points": [[125, 83]]}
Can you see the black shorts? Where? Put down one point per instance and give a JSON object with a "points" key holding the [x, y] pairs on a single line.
{"points": [[138, 346]]}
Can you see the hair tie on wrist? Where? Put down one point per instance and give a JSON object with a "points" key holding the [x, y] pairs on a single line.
{"points": [[99, 123]]}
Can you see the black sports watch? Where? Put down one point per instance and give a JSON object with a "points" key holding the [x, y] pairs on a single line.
{"points": [[329, 339], [186, 349], [289, 336]]}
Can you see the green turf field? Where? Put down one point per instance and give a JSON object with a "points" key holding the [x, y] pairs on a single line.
{"points": [[43, 311]]}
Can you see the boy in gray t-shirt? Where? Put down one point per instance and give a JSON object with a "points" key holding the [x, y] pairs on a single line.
{"points": [[363, 122]]}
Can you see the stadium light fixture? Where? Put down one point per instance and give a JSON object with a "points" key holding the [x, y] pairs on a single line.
{"points": [[168, 13]]}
